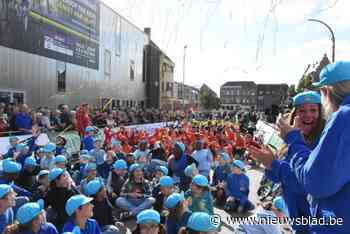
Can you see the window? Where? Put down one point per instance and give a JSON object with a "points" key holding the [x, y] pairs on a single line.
{"points": [[144, 64], [18, 97], [132, 70], [5, 97], [261, 92], [108, 63], [61, 76], [118, 36], [9, 96]]}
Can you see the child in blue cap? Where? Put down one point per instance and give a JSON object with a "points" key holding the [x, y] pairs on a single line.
{"points": [[21, 153], [105, 169], [80, 212], [27, 176], [48, 162], [199, 196], [149, 221], [42, 185], [220, 174], [60, 190], [178, 214], [166, 187], [117, 178], [199, 223], [160, 171], [98, 155], [136, 194], [88, 140], [7, 202], [237, 189], [30, 219], [91, 174], [102, 211]]}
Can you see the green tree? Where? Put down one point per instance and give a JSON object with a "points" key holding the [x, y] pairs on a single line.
{"points": [[291, 91], [208, 98]]}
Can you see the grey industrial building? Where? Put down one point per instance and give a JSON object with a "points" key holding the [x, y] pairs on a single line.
{"points": [[48, 61]]}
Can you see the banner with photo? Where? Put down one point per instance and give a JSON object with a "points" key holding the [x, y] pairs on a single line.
{"points": [[66, 30]]}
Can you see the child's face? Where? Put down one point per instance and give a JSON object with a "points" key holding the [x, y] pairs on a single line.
{"points": [[120, 172], [97, 144], [196, 190], [158, 175], [61, 165], [166, 191], [142, 160], [222, 162], [236, 170], [13, 143], [44, 180]]}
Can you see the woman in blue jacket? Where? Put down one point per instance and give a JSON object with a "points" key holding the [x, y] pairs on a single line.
{"points": [[308, 108]]}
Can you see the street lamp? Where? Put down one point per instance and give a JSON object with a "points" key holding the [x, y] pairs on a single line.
{"points": [[332, 34], [183, 78]]}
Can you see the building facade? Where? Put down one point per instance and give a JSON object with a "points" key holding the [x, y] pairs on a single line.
{"points": [[159, 72], [61, 62], [187, 97], [238, 95], [271, 96]]}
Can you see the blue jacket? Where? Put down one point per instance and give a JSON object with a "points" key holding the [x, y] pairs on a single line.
{"points": [[220, 174], [46, 228], [9, 153], [293, 193], [91, 227], [237, 186], [24, 121], [324, 171], [6, 219], [88, 143]]}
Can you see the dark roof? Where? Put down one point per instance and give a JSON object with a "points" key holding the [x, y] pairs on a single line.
{"points": [[233, 83]]}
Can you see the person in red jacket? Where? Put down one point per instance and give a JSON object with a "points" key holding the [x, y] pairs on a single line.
{"points": [[83, 118]]}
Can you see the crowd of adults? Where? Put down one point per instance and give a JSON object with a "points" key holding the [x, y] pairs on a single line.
{"points": [[170, 180]]}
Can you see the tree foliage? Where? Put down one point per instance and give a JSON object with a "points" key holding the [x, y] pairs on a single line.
{"points": [[208, 98]]}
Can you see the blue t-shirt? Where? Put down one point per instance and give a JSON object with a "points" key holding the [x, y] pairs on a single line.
{"points": [[46, 228], [91, 227], [24, 121], [6, 219], [88, 143]]}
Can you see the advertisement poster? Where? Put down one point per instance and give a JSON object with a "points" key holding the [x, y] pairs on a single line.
{"points": [[66, 30]]}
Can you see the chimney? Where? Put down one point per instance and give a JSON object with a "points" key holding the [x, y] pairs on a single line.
{"points": [[148, 32]]}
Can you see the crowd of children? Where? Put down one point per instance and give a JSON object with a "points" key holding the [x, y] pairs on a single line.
{"points": [[163, 180]]}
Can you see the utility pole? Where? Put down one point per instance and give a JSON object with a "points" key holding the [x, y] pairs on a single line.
{"points": [[332, 35]]}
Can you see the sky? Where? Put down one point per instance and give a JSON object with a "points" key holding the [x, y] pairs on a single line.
{"points": [[266, 41]]}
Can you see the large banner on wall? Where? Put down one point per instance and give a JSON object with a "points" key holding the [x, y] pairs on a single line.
{"points": [[66, 30]]}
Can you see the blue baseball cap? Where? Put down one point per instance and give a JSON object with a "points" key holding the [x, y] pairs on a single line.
{"points": [[224, 156], [239, 164], [60, 159], [181, 146], [201, 222], [4, 190], [93, 187], [30, 161], [163, 169], [54, 173], [189, 170], [334, 73], [148, 216], [20, 147], [75, 202], [200, 180], [29, 211], [134, 166], [50, 147], [89, 129], [120, 165], [10, 166], [90, 167], [166, 181], [173, 200], [308, 97], [41, 150], [43, 172]]}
